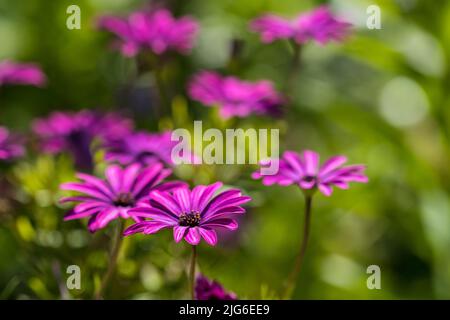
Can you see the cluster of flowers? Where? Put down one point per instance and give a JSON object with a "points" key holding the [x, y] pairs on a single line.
{"points": [[135, 184]]}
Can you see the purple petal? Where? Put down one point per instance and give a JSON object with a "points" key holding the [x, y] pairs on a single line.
{"points": [[135, 228], [202, 194], [179, 232], [221, 197], [76, 199], [331, 164], [307, 184], [224, 202], [170, 186], [311, 160], [325, 189], [229, 224], [183, 198], [106, 216], [154, 213], [154, 226], [164, 201], [210, 236], [129, 177], [114, 176], [293, 159], [82, 188], [147, 178], [193, 236], [90, 205], [96, 182], [115, 25], [272, 28], [72, 215], [224, 212]]}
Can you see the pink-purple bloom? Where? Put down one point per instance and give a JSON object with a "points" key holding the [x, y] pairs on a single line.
{"points": [[206, 289], [21, 74], [142, 147], [304, 170], [192, 214], [235, 97], [317, 25], [104, 200], [11, 146], [74, 132], [157, 31]]}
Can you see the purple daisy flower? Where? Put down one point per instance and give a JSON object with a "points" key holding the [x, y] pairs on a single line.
{"points": [[192, 214], [156, 30], [206, 289], [74, 132], [235, 97], [10, 145], [319, 25], [142, 147], [304, 170], [104, 200], [23, 74]]}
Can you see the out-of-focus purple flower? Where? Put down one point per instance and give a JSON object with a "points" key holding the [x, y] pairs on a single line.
{"points": [[23, 74], [74, 132], [192, 214], [11, 146], [304, 170], [142, 147], [107, 199], [156, 30], [235, 97], [319, 25], [206, 289]]}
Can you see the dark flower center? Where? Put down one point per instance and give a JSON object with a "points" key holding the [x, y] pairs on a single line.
{"points": [[191, 219], [124, 200], [145, 155], [309, 178]]}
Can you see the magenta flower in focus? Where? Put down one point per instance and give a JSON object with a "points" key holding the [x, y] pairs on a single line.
{"points": [[142, 147], [317, 25], [304, 170], [206, 289], [192, 214], [74, 132], [23, 74], [104, 200], [10, 145], [156, 30], [235, 97]]}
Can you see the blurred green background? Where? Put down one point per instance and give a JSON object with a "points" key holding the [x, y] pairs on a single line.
{"points": [[382, 98]]}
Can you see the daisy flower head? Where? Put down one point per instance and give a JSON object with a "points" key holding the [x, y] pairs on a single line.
{"points": [[21, 74], [318, 25], [158, 31], [103, 200], [235, 97], [192, 214], [75, 131], [305, 171], [206, 289]]}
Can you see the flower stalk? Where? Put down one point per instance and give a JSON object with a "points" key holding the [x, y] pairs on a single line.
{"points": [[192, 272], [294, 67], [293, 276], [113, 256]]}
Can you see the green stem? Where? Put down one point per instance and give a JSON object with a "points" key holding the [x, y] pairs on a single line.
{"points": [[114, 254], [293, 276], [192, 272], [294, 68], [162, 93]]}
